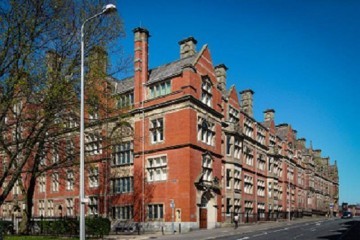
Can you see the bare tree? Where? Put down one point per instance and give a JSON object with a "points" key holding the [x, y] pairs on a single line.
{"points": [[39, 83]]}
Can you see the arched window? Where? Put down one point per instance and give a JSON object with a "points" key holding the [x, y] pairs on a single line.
{"points": [[206, 131]]}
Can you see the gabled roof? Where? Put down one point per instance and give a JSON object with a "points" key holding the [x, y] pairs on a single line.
{"points": [[281, 131], [170, 70], [155, 75]]}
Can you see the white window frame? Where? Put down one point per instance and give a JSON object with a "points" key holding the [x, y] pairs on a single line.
{"points": [[157, 130], [157, 168], [206, 91]]}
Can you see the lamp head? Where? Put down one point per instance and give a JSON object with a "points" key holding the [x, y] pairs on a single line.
{"points": [[109, 8]]}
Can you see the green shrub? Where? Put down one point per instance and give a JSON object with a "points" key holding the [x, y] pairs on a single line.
{"points": [[97, 226]]}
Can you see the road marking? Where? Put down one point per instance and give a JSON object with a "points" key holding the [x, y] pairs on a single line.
{"points": [[313, 229], [243, 238], [298, 236], [261, 234]]}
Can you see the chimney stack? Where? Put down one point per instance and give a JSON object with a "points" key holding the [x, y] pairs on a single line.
{"points": [[141, 68], [187, 47], [98, 60], [269, 115], [247, 101], [220, 72]]}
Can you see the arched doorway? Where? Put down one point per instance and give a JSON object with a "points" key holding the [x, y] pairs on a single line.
{"points": [[203, 211]]}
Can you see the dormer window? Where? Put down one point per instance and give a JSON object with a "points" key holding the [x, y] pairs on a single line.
{"points": [[206, 91], [233, 115], [159, 89], [126, 100]]}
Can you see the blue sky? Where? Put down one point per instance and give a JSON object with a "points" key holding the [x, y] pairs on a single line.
{"points": [[301, 58]]}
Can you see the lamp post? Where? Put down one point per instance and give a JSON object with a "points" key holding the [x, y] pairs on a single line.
{"points": [[109, 8]]}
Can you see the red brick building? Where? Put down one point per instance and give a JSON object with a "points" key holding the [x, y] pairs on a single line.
{"points": [[192, 153]]}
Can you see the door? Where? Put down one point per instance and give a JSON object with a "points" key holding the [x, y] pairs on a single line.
{"points": [[203, 218]]}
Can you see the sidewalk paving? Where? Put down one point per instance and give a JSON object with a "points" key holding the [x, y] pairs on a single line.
{"points": [[213, 233]]}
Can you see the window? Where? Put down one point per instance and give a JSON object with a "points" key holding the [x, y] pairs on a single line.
{"points": [[155, 211], [69, 207], [261, 162], [50, 208], [123, 153], [16, 188], [126, 100], [6, 209], [70, 180], [16, 133], [93, 206], [41, 207], [42, 183], [228, 178], [237, 180], [206, 92], [248, 184], [42, 157], [69, 149], [157, 130], [123, 212], [249, 158], [157, 168], [123, 185], [94, 112], [228, 145], [17, 108], [206, 133], [228, 206], [69, 122], [55, 155], [94, 177], [55, 182], [260, 135], [249, 205], [237, 148], [233, 115], [248, 128], [261, 188], [159, 89], [207, 168], [93, 145]]}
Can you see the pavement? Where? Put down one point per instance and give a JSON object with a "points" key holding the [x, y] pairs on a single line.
{"points": [[212, 233]]}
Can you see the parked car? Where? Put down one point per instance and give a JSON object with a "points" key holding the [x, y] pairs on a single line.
{"points": [[347, 215], [7, 227]]}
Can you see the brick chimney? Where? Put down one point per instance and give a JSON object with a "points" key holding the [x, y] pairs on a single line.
{"points": [[187, 47], [53, 63], [269, 115], [220, 72], [301, 142], [247, 101], [141, 56], [98, 61]]}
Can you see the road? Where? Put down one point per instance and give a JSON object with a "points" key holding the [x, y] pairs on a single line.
{"points": [[332, 229], [299, 229]]}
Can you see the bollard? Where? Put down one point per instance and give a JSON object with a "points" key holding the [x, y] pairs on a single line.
{"points": [[162, 230], [1, 232], [179, 228]]}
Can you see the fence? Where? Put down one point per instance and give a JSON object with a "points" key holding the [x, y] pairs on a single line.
{"points": [[266, 216]]}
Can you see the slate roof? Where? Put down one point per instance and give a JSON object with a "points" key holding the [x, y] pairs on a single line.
{"points": [[281, 132], [170, 70], [266, 124], [155, 75]]}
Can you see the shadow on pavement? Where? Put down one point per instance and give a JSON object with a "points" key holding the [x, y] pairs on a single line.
{"points": [[350, 231]]}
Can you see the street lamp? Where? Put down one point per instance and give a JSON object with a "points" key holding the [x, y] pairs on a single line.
{"points": [[109, 8]]}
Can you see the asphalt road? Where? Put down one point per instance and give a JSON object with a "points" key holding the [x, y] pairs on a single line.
{"points": [[332, 229]]}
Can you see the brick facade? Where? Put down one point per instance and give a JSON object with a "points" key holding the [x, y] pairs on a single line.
{"points": [[192, 153]]}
